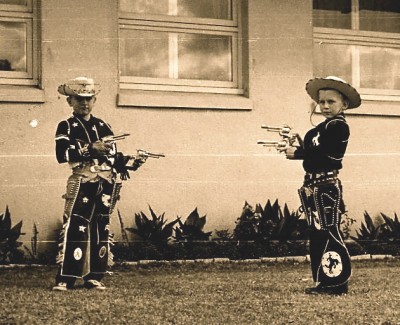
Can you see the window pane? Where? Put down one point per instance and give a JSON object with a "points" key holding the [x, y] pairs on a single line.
{"points": [[144, 53], [158, 54], [205, 57], [332, 14], [158, 7], [218, 9], [380, 68], [332, 60], [380, 16], [14, 2], [13, 46]]}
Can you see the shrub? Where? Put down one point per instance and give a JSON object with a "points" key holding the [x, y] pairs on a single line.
{"points": [[192, 228], [9, 244], [275, 224], [390, 229], [269, 223], [345, 225], [246, 225], [381, 236], [368, 231], [222, 235], [154, 230]]}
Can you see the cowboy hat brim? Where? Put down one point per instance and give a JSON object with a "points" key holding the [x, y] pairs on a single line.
{"points": [[67, 91], [313, 87]]}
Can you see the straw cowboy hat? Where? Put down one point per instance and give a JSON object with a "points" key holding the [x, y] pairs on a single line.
{"points": [[314, 85], [80, 86]]}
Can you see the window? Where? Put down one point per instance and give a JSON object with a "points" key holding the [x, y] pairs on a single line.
{"points": [[359, 41], [18, 39], [180, 45]]}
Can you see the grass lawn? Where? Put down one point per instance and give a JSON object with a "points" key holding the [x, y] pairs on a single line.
{"points": [[202, 294]]}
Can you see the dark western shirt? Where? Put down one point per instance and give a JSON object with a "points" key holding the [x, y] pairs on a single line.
{"points": [[325, 145], [74, 134]]}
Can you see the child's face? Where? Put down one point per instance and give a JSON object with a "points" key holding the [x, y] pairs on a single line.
{"points": [[82, 106], [331, 103]]}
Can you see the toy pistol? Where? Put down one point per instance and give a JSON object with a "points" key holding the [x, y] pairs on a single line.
{"points": [[288, 138], [112, 138], [143, 155], [279, 145]]}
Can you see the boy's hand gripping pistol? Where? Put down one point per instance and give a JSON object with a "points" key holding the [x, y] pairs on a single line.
{"points": [[288, 139]]}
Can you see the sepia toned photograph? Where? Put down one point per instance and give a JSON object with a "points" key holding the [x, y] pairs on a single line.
{"points": [[199, 162]]}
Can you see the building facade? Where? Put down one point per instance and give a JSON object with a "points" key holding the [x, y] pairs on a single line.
{"points": [[195, 80]]}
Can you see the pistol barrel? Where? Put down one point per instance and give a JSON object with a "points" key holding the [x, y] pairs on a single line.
{"points": [[268, 143], [271, 128]]}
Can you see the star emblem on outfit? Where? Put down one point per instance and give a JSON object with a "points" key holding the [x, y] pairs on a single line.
{"points": [[101, 123], [74, 124], [85, 200], [82, 228]]}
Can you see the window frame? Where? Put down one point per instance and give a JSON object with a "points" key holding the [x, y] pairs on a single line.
{"points": [[191, 25], [356, 38], [23, 14]]}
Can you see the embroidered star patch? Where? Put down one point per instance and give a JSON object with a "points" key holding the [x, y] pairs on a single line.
{"points": [[82, 228], [101, 123], [74, 124], [85, 200]]}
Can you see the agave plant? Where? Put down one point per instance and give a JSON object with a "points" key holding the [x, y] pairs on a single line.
{"points": [[270, 220], [9, 244], [192, 228], [292, 227], [154, 230], [368, 230], [278, 224], [390, 229]]}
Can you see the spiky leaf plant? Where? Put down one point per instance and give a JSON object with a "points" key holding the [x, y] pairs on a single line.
{"points": [[275, 224], [390, 229], [270, 220], [192, 228], [154, 230], [9, 244], [368, 230], [291, 227]]}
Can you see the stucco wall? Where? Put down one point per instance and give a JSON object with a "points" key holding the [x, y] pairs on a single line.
{"points": [[212, 160]]}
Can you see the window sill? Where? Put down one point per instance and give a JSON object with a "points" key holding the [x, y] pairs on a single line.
{"points": [[164, 99], [21, 94]]}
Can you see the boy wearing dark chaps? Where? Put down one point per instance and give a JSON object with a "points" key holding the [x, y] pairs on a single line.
{"points": [[322, 152], [84, 142]]}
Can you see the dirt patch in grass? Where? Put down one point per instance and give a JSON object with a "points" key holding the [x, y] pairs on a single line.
{"points": [[202, 294]]}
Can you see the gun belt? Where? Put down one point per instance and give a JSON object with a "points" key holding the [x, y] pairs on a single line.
{"points": [[315, 178]]}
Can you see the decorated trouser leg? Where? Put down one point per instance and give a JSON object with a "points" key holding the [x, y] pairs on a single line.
{"points": [[85, 236], [330, 260], [100, 255]]}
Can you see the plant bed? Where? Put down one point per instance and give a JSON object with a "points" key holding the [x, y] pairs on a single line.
{"points": [[234, 250]]}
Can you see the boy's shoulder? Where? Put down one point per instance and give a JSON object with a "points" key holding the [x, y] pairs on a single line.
{"points": [[337, 121]]}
